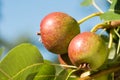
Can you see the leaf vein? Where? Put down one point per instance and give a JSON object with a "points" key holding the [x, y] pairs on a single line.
{"points": [[7, 75], [22, 70]]}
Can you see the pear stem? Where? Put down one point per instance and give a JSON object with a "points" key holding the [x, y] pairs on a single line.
{"points": [[110, 39], [88, 17], [99, 26]]}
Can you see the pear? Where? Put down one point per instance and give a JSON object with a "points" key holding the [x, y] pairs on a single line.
{"points": [[57, 30], [88, 50]]}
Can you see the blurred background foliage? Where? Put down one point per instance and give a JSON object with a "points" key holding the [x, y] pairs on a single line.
{"points": [[19, 20]]}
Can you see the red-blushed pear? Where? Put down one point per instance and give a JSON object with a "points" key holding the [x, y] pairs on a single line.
{"points": [[57, 30], [88, 50]]}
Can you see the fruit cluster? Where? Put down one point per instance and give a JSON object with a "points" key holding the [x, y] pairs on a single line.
{"points": [[61, 35]]}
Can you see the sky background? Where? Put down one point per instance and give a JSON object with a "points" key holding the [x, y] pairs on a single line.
{"points": [[20, 19]]}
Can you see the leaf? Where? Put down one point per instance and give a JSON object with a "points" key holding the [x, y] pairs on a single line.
{"points": [[86, 3], [65, 75], [1, 51], [110, 16], [115, 6], [21, 62], [62, 75], [113, 13], [46, 72]]}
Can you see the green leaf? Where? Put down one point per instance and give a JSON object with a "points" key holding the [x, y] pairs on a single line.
{"points": [[110, 16], [65, 75], [113, 13], [21, 63], [115, 6], [1, 51], [46, 72], [86, 3], [62, 75]]}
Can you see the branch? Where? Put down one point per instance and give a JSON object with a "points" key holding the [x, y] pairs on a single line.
{"points": [[107, 25], [101, 73]]}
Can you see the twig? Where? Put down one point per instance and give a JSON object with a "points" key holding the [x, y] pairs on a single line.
{"points": [[102, 72], [107, 25]]}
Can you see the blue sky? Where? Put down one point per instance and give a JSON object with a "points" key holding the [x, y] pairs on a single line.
{"points": [[22, 17]]}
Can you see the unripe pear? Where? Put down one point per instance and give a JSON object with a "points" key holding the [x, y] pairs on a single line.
{"points": [[88, 48], [57, 30]]}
